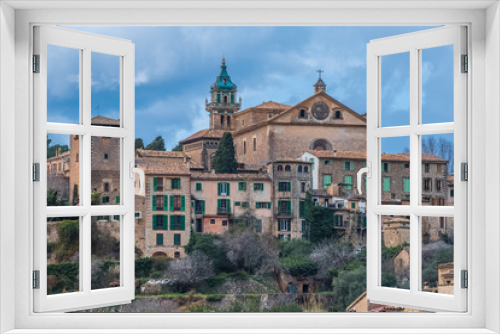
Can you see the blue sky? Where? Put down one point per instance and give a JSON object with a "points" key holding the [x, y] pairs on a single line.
{"points": [[175, 67]]}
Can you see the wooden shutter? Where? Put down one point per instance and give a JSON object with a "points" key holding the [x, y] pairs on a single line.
{"points": [[159, 239], [171, 202], [154, 222], [228, 205], [343, 165], [289, 225], [227, 188], [165, 222], [203, 207], [154, 202], [255, 187], [183, 203], [183, 223], [268, 205], [218, 205], [155, 183], [219, 188], [288, 208]]}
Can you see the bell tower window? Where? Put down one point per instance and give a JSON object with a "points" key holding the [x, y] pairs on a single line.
{"points": [[228, 120], [222, 120], [225, 98]]}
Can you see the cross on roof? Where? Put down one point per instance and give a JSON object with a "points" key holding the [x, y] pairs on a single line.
{"points": [[320, 71]]}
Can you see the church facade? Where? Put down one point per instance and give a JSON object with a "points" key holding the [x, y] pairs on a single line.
{"points": [[274, 131]]}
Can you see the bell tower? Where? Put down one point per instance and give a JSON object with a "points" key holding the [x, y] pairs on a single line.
{"points": [[223, 101]]}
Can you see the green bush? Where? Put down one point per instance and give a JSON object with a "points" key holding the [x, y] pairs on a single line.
{"points": [[213, 247], [429, 270], [67, 276], [294, 247], [143, 267], [349, 283], [299, 265], [214, 298]]}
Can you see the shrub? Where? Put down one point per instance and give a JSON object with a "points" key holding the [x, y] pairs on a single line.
{"points": [[299, 265], [213, 247], [143, 267], [349, 283]]}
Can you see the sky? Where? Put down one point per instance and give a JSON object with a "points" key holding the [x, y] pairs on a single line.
{"points": [[175, 67]]}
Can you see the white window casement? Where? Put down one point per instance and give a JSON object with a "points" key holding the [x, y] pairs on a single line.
{"points": [[84, 295], [415, 44], [472, 310]]}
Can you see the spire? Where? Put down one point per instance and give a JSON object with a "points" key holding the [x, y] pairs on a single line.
{"points": [[224, 80], [320, 85]]}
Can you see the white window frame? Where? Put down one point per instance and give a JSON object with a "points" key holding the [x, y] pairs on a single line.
{"points": [[413, 43], [15, 43]]}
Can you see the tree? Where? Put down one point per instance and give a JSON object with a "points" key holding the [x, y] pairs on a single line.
{"points": [[212, 246], [139, 144], [158, 144], [349, 283], [52, 150], [320, 222], [76, 196], [330, 254], [177, 148], [190, 270], [442, 148], [244, 250], [224, 161]]}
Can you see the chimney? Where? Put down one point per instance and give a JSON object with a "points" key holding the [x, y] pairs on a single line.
{"points": [[334, 153]]}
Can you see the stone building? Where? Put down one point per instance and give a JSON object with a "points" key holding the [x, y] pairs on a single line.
{"points": [[340, 168], [219, 200], [58, 175], [167, 204], [291, 181], [317, 123]]}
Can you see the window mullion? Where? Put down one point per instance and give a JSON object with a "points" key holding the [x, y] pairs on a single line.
{"points": [[415, 265]]}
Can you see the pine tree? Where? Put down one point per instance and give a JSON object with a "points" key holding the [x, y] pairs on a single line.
{"points": [[139, 144], [224, 161], [158, 144]]}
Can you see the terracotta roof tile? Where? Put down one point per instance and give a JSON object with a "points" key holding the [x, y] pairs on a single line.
{"points": [[157, 167], [160, 154], [101, 120], [230, 177], [362, 156], [206, 133]]}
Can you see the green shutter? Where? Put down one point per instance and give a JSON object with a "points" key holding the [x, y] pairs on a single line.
{"points": [[198, 186], [154, 222], [159, 239], [255, 187], [183, 203], [118, 199], [203, 207], [165, 203], [171, 202], [268, 205], [288, 208], [406, 185], [177, 239], [352, 165], [301, 209], [228, 184], [387, 184], [154, 202], [165, 222], [228, 204], [219, 188], [327, 180], [172, 183], [289, 225], [353, 205], [183, 223], [343, 165], [155, 182], [172, 222], [348, 181], [218, 205]]}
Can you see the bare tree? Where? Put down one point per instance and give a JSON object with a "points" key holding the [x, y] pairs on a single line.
{"points": [[330, 254], [190, 269], [442, 148], [243, 249]]}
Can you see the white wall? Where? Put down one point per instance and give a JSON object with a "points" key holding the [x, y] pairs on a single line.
{"points": [[7, 160]]}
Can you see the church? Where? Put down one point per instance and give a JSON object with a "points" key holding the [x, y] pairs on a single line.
{"points": [[274, 131]]}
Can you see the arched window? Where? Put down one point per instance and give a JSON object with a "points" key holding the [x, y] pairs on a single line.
{"points": [[302, 113], [177, 255], [228, 120], [280, 168], [299, 169], [225, 98], [288, 168], [338, 114], [222, 120], [306, 169]]}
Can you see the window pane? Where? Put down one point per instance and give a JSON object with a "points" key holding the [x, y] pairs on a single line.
{"points": [[437, 98], [63, 249], [105, 90], [105, 239], [395, 170], [437, 254], [63, 85], [437, 169], [105, 175], [63, 170], [395, 252], [395, 89]]}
